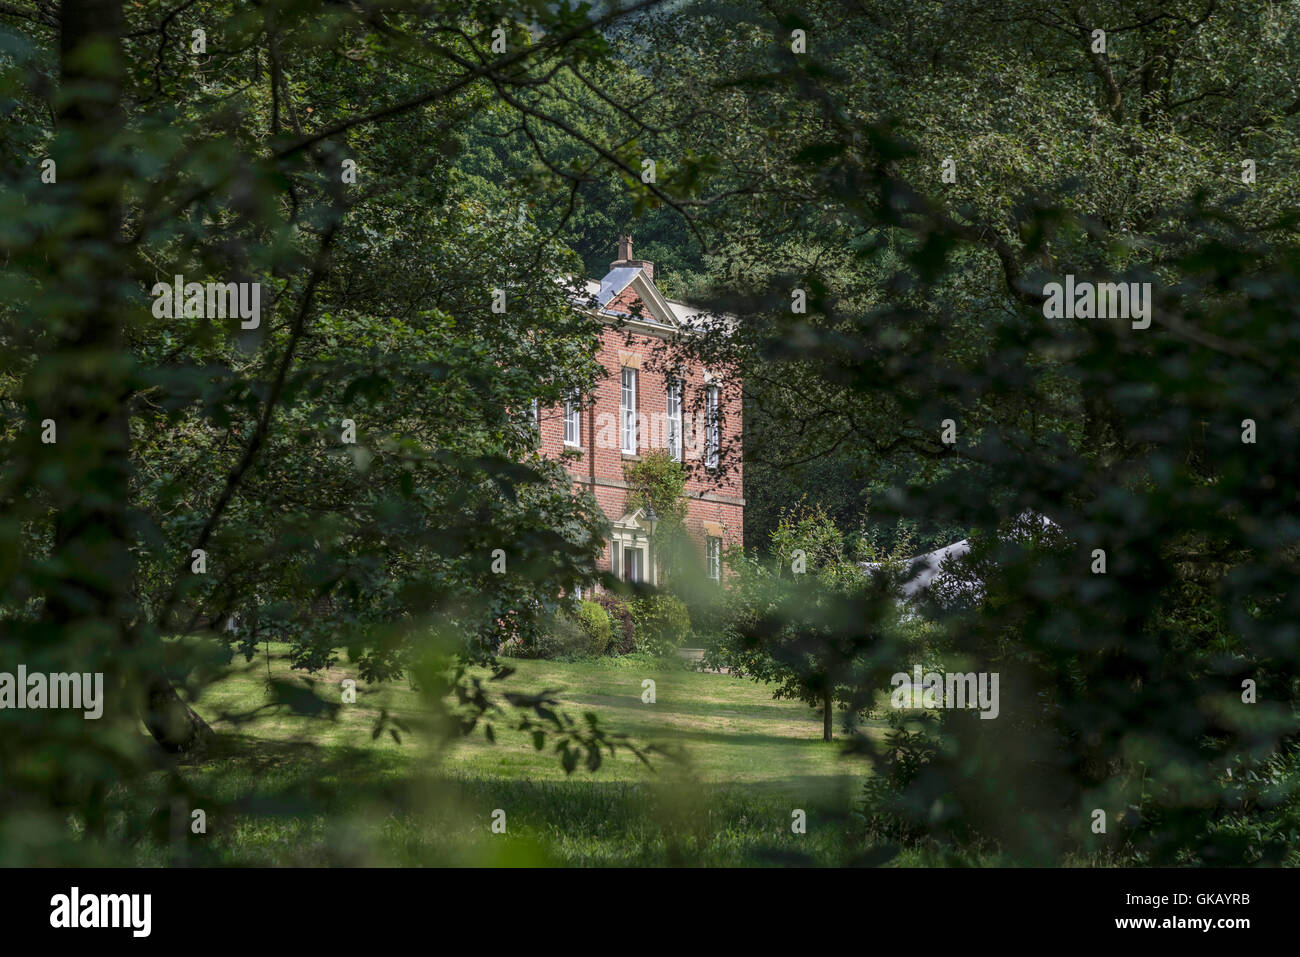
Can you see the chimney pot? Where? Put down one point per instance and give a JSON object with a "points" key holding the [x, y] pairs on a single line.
{"points": [[625, 258]]}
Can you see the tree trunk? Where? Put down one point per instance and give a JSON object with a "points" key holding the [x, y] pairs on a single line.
{"points": [[828, 716], [176, 726], [84, 379], [88, 377]]}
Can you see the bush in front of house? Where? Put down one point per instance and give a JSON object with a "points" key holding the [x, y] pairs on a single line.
{"points": [[661, 623], [559, 636], [595, 623], [623, 630], [581, 633]]}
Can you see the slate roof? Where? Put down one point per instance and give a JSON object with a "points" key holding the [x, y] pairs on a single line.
{"points": [[598, 293]]}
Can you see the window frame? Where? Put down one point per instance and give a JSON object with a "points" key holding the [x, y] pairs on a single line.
{"points": [[673, 411], [713, 557], [573, 418], [712, 426], [627, 411]]}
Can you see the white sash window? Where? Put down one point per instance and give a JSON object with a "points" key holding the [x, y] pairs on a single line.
{"points": [[712, 427], [573, 420], [673, 432], [627, 409], [713, 554]]}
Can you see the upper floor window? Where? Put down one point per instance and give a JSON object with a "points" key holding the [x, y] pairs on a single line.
{"points": [[673, 431], [573, 419], [712, 427], [627, 410], [713, 556]]}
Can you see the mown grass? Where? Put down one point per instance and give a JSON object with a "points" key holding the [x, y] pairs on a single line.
{"points": [[286, 788]]}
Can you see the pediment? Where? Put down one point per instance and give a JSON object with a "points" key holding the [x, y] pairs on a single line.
{"points": [[628, 291], [632, 520]]}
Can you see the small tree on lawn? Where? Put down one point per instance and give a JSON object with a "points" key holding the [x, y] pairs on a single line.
{"points": [[802, 620]]}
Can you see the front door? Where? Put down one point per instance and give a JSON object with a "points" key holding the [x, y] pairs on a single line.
{"points": [[633, 564]]}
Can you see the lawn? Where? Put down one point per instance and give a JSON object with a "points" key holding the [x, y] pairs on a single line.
{"points": [[289, 788]]}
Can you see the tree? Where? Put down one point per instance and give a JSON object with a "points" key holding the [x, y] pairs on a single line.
{"points": [[926, 349], [339, 467], [791, 620]]}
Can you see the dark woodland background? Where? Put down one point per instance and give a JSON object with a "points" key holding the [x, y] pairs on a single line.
{"points": [[1168, 156]]}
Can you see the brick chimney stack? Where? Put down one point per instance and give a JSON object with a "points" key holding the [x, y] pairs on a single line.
{"points": [[625, 258]]}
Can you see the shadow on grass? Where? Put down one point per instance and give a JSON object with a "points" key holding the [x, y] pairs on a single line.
{"points": [[764, 712], [294, 803]]}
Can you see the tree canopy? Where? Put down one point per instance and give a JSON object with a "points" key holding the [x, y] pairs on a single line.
{"points": [[886, 193]]}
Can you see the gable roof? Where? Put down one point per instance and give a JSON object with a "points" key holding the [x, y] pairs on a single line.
{"points": [[599, 294], [615, 281], [623, 286]]}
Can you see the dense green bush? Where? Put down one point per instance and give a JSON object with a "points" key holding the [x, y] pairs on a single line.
{"points": [[559, 637], [584, 633], [595, 623], [620, 616], [662, 623]]}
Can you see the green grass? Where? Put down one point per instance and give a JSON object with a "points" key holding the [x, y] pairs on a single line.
{"points": [[285, 788]]}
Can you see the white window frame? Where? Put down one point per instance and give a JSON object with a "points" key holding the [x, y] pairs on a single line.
{"points": [[627, 411], [673, 409], [712, 427], [573, 420], [713, 558]]}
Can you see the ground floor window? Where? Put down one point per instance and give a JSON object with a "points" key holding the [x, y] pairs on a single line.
{"points": [[713, 554]]}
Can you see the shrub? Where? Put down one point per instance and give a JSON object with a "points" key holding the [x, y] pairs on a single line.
{"points": [[621, 625], [907, 754], [558, 637], [661, 622], [595, 623]]}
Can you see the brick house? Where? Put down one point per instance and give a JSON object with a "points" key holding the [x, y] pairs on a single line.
{"points": [[650, 398]]}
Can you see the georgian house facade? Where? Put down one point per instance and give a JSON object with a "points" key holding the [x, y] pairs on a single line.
{"points": [[650, 399]]}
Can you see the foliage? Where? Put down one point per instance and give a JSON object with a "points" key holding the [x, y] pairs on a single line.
{"points": [[1128, 689], [620, 617], [809, 531], [790, 619], [819, 173], [567, 193], [662, 623], [658, 481], [595, 623], [350, 465], [562, 637]]}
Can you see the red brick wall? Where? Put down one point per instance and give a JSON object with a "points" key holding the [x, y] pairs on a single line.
{"points": [[602, 457]]}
